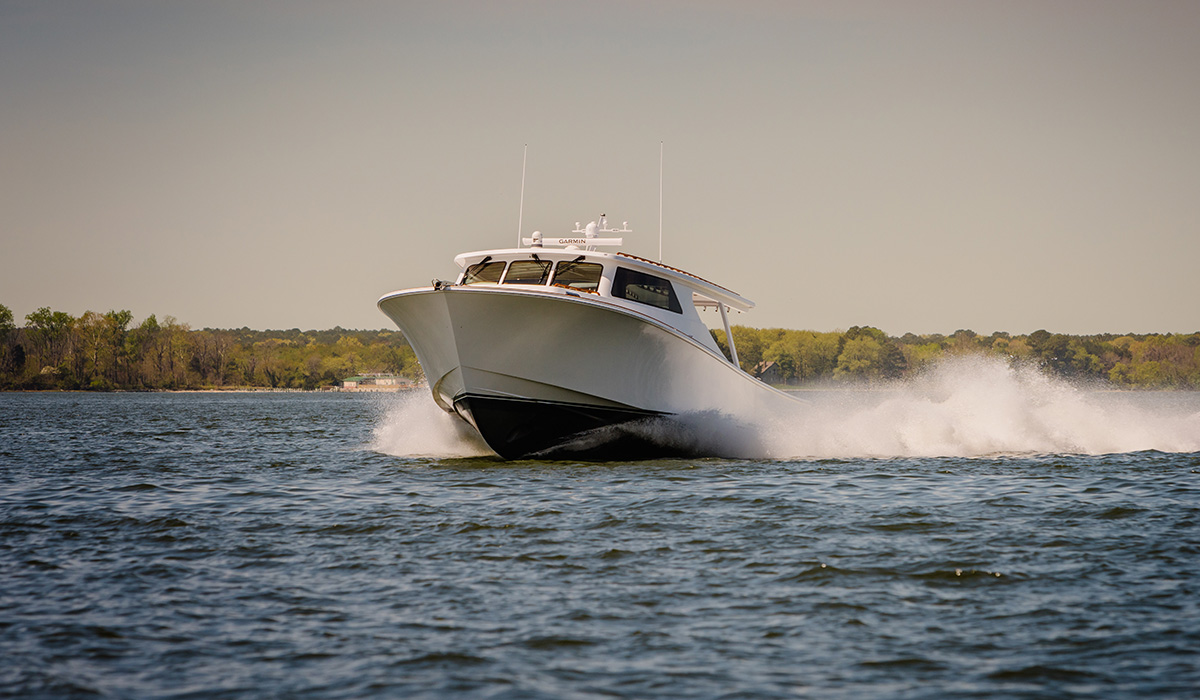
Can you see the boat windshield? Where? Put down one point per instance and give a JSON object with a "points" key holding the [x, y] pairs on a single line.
{"points": [[483, 272], [573, 274], [528, 272], [645, 289]]}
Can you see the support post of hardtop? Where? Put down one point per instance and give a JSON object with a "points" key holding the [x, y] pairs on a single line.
{"points": [[728, 335]]}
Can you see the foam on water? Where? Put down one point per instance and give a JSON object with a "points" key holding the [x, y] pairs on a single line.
{"points": [[976, 406], [414, 426], [962, 407]]}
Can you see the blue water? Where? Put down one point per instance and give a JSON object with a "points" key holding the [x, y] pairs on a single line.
{"points": [[334, 546]]}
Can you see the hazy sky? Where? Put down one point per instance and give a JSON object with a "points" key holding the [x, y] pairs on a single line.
{"points": [[916, 166]]}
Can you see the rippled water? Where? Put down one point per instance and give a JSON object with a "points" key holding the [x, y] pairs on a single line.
{"points": [[297, 545]]}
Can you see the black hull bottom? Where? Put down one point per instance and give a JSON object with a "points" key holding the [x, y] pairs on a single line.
{"points": [[520, 428]]}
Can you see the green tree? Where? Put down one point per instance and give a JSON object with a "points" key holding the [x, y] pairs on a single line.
{"points": [[175, 357], [806, 355], [1052, 350], [8, 335], [1152, 375], [116, 332], [818, 355], [748, 342], [1082, 362], [50, 335], [92, 349], [861, 359], [147, 351], [964, 342], [856, 332], [782, 354], [921, 355], [7, 325]]}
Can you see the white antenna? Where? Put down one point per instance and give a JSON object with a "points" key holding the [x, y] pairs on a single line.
{"points": [[660, 181], [521, 213]]}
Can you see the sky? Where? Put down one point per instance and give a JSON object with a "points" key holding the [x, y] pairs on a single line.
{"points": [[920, 167]]}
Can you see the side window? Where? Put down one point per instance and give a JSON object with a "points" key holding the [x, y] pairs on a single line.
{"points": [[645, 289], [528, 272], [480, 273], [578, 275]]}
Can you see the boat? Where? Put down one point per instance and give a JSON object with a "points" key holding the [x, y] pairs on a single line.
{"points": [[558, 349]]}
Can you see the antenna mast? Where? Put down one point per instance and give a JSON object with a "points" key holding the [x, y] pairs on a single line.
{"points": [[521, 212], [660, 183]]}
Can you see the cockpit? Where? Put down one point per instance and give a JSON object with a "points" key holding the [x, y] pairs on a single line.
{"points": [[577, 275]]}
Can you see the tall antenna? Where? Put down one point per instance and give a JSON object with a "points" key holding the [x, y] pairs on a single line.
{"points": [[660, 181], [521, 213]]}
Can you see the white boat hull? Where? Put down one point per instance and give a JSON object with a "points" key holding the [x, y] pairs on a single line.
{"points": [[543, 372]]}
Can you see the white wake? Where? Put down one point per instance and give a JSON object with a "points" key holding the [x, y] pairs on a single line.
{"points": [[978, 406]]}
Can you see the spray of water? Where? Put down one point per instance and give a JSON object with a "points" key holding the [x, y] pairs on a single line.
{"points": [[412, 425], [962, 407], [976, 406]]}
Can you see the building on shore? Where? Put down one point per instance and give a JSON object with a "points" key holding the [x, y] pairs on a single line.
{"points": [[374, 381], [768, 372]]}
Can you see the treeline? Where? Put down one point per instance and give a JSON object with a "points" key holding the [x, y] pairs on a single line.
{"points": [[867, 354], [55, 350]]}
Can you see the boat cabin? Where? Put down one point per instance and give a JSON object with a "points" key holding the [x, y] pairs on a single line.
{"points": [[669, 295]]}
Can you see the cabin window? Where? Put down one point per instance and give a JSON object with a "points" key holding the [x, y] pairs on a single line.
{"points": [[645, 289], [484, 272], [583, 276], [528, 272]]}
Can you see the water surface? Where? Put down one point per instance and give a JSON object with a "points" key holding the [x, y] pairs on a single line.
{"points": [[347, 546]]}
